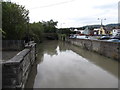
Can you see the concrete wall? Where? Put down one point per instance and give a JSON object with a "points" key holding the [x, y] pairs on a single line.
{"points": [[108, 49], [15, 71]]}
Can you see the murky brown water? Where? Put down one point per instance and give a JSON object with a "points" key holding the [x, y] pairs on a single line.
{"points": [[61, 65]]}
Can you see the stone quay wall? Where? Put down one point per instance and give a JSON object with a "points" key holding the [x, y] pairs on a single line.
{"points": [[108, 49], [15, 71]]}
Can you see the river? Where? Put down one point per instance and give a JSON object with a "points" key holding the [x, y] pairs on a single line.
{"points": [[62, 65]]}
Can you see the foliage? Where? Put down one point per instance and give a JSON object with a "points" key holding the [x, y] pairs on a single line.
{"points": [[40, 30], [16, 24], [65, 31], [2, 33], [50, 26], [36, 31], [14, 20]]}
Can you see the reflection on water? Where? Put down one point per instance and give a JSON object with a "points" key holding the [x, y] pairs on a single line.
{"points": [[61, 65]]}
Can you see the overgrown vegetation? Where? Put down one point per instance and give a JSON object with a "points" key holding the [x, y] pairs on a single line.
{"points": [[15, 23], [14, 20]]}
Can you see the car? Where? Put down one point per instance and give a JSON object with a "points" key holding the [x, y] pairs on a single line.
{"points": [[104, 38], [72, 36], [114, 40], [115, 37]]}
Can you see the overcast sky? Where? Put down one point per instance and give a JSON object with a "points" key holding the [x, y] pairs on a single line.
{"points": [[72, 13]]}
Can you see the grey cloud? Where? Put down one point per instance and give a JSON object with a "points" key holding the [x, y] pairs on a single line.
{"points": [[92, 20], [107, 6]]}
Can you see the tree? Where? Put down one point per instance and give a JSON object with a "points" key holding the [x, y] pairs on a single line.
{"points": [[36, 31], [2, 33], [50, 26], [14, 20]]}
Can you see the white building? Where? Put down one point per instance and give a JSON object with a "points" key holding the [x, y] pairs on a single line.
{"points": [[86, 31], [116, 32], [81, 31]]}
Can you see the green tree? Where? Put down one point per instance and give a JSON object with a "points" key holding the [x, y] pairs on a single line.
{"points": [[2, 33], [36, 31], [50, 26], [14, 20]]}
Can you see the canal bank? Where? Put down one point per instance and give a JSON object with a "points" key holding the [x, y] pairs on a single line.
{"points": [[63, 65], [16, 68], [108, 49]]}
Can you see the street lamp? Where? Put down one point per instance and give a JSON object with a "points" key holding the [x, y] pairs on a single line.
{"points": [[101, 32], [101, 20]]}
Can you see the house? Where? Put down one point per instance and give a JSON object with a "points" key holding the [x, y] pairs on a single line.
{"points": [[81, 32], [75, 30], [89, 31], [96, 31], [99, 31], [86, 31], [116, 32]]}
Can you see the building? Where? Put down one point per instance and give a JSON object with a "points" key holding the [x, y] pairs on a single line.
{"points": [[96, 31], [86, 31], [81, 32], [116, 32], [99, 31]]}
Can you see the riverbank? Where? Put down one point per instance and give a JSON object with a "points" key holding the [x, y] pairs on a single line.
{"points": [[108, 49]]}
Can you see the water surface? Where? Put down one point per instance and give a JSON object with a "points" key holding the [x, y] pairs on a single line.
{"points": [[62, 65]]}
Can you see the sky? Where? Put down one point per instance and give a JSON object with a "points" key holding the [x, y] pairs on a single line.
{"points": [[72, 13]]}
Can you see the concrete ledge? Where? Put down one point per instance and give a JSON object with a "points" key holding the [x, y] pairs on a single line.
{"points": [[108, 49], [15, 71]]}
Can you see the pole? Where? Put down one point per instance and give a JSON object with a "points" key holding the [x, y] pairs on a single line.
{"points": [[101, 21]]}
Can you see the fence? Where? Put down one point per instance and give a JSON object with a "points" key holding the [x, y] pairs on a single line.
{"points": [[12, 44]]}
